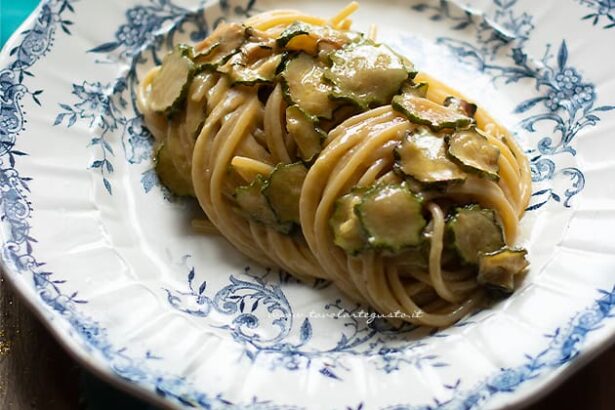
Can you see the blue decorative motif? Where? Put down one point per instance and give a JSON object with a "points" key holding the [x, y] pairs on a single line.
{"points": [[147, 32], [601, 10], [564, 345], [16, 209], [100, 111], [246, 303], [564, 98], [240, 298]]}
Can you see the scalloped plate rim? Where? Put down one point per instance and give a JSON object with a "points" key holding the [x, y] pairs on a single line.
{"points": [[75, 347]]}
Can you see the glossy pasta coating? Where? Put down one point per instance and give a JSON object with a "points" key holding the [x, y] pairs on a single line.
{"points": [[294, 162]]}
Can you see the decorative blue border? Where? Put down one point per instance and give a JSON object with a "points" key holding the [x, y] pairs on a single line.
{"points": [[564, 99], [258, 316], [15, 213], [101, 106], [17, 252], [601, 10]]}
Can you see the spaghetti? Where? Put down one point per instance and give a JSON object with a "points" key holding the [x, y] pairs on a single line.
{"points": [[315, 149]]}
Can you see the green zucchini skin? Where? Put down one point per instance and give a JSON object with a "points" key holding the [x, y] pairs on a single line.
{"points": [[306, 132], [423, 111], [283, 191], [347, 231], [421, 155], [170, 86], [367, 74], [303, 85], [298, 28], [473, 152], [391, 217], [497, 270], [474, 230], [254, 205]]}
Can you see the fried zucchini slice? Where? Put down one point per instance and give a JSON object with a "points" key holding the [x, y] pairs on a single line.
{"points": [[392, 217], [170, 86], [367, 74], [422, 155], [475, 230], [474, 153], [497, 270]]}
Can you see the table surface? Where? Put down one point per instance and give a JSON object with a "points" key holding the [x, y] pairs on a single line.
{"points": [[36, 373]]}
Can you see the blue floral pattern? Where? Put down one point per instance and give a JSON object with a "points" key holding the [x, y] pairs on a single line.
{"points": [[147, 33], [16, 210], [565, 99], [247, 302], [564, 343], [601, 10]]}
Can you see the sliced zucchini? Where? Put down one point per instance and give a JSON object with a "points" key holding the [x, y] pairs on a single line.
{"points": [[348, 233], [416, 89], [304, 130], [255, 206], [474, 230], [298, 28], [170, 85], [422, 111], [178, 183], [422, 155], [284, 190], [253, 64], [461, 106], [195, 112], [367, 74], [474, 153], [303, 84], [392, 217], [497, 270], [310, 39], [223, 43]]}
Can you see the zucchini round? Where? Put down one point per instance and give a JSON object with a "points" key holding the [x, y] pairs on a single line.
{"points": [[253, 64], [422, 155], [461, 106], [169, 175], [304, 130], [170, 85], [223, 43], [392, 217], [474, 153], [303, 84], [284, 190], [301, 36], [422, 111], [367, 74], [255, 205], [344, 222], [475, 230], [497, 270]]}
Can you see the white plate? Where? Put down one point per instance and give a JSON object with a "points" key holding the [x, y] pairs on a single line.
{"points": [[100, 251]]}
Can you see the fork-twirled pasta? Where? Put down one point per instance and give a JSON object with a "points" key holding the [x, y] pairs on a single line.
{"points": [[318, 150]]}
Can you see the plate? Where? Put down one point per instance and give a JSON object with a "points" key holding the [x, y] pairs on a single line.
{"points": [[107, 258]]}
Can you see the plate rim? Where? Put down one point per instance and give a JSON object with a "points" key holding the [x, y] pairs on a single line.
{"points": [[77, 350]]}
